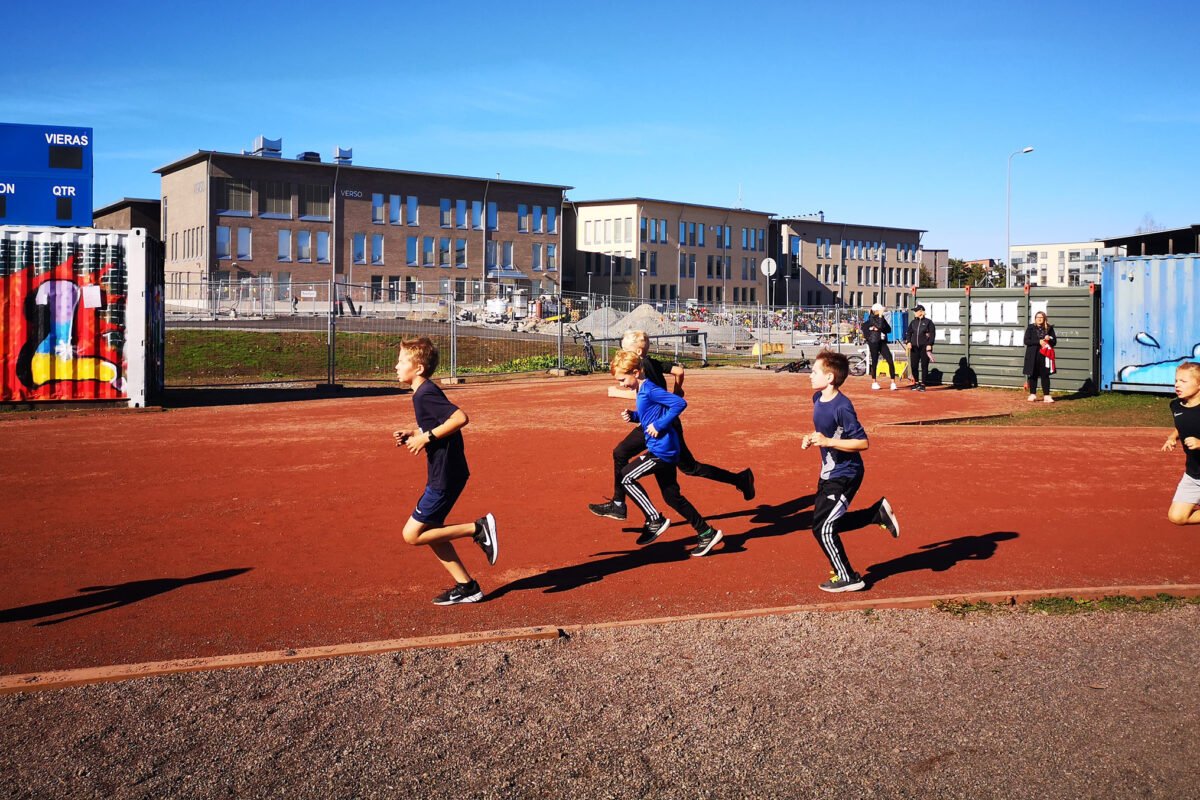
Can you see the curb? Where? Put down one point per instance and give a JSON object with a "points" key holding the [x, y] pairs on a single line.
{"points": [[63, 679]]}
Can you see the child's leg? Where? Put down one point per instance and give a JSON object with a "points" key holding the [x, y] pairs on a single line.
{"points": [[668, 483], [629, 447], [1184, 514], [833, 498], [438, 540], [639, 468], [1185, 505], [688, 465]]}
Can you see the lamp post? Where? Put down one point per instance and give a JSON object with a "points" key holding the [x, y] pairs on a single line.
{"points": [[1008, 218], [641, 282]]}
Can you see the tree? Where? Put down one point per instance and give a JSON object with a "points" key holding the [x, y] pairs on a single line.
{"points": [[963, 274], [1148, 225], [927, 281]]}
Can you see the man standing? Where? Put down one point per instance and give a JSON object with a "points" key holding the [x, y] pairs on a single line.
{"points": [[918, 341]]}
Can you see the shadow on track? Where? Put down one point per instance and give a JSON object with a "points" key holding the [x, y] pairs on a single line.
{"points": [[239, 396], [940, 556], [106, 598]]}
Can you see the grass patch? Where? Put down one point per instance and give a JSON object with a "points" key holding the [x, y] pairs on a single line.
{"points": [[1070, 605], [1105, 410]]}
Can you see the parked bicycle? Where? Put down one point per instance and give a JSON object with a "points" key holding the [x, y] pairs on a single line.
{"points": [[589, 351], [860, 362]]}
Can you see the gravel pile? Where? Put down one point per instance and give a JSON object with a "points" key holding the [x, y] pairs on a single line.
{"points": [[884, 704], [644, 318], [600, 322]]}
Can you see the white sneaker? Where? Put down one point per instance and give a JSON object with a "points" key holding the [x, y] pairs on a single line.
{"points": [[1047, 399], [1032, 398], [894, 386], [874, 384]]}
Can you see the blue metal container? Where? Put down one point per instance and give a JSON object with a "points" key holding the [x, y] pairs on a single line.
{"points": [[1150, 320]]}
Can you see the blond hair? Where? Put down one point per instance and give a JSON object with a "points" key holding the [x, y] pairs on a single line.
{"points": [[625, 361], [1189, 366], [423, 352], [632, 338]]}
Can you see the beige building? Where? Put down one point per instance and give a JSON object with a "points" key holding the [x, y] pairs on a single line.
{"points": [[666, 251], [1064, 264], [846, 264], [258, 216]]}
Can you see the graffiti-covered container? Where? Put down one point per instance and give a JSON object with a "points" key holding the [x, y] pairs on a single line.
{"points": [[1151, 320], [77, 315]]}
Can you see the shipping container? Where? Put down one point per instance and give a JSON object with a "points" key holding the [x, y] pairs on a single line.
{"points": [[80, 315], [981, 335], [1151, 320]]}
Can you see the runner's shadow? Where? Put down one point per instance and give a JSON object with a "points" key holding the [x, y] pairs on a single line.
{"points": [[106, 598], [940, 556], [787, 517], [564, 579]]}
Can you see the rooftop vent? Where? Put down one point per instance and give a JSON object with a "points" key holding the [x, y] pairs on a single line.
{"points": [[268, 148], [309, 155], [343, 155]]}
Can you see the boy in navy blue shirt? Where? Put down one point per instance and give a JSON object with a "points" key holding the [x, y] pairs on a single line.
{"points": [[657, 410], [439, 423], [841, 439]]}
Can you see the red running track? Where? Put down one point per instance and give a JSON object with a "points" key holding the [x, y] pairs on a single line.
{"points": [[132, 537]]}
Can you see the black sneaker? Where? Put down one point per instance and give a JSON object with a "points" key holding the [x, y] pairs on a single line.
{"points": [[459, 593], [707, 541], [920, 387], [836, 584], [886, 518], [611, 509], [914, 387], [486, 538], [653, 529], [746, 478]]}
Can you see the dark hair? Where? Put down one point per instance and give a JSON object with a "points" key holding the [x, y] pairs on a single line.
{"points": [[424, 352], [837, 363]]}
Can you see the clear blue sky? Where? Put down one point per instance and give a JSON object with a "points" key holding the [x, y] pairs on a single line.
{"points": [[883, 113]]}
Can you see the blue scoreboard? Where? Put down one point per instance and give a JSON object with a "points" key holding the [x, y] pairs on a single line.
{"points": [[45, 175]]}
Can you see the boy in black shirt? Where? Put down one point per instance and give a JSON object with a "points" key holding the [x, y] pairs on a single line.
{"points": [[439, 423], [1185, 408], [635, 442]]}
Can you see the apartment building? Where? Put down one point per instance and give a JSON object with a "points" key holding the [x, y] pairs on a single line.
{"points": [[1062, 264], [662, 250], [824, 263], [239, 217]]}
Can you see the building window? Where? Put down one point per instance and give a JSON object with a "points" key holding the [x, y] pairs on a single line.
{"points": [[507, 252], [552, 223], [587, 232], [233, 197], [653, 270], [460, 253], [322, 247], [628, 228], [642, 225], [412, 216], [537, 254], [538, 220], [274, 199], [395, 209], [444, 251], [653, 231], [410, 251], [222, 241], [377, 248], [663, 238], [447, 214], [359, 248], [243, 243], [551, 257], [477, 214], [700, 235], [492, 220], [427, 252], [314, 201], [285, 245], [304, 246], [460, 214], [523, 219], [489, 255], [691, 234], [378, 212]]}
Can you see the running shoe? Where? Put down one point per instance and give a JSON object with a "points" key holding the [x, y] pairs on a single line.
{"points": [[836, 584], [706, 542], [746, 483], [459, 593], [611, 509], [653, 529], [886, 518], [486, 537]]}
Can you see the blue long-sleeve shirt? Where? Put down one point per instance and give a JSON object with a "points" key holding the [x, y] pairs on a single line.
{"points": [[660, 408]]}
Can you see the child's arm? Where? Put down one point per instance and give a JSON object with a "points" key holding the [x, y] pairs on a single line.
{"points": [[624, 394], [630, 415], [1169, 445], [418, 441], [674, 405], [401, 436], [845, 445], [678, 371]]}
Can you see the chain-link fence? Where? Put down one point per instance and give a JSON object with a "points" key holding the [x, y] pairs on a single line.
{"points": [[253, 331]]}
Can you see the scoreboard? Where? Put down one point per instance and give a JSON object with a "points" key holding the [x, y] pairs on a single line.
{"points": [[45, 175]]}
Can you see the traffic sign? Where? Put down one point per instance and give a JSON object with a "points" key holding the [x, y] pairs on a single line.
{"points": [[768, 267]]}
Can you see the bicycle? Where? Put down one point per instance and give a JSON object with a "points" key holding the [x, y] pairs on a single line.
{"points": [[801, 365], [860, 362], [589, 351]]}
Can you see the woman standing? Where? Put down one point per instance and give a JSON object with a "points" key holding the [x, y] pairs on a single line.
{"points": [[875, 331], [1039, 337]]}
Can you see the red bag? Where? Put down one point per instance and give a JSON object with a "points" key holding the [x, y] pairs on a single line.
{"points": [[1048, 353]]}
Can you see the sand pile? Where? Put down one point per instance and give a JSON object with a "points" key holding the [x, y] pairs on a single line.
{"points": [[601, 322], [645, 318]]}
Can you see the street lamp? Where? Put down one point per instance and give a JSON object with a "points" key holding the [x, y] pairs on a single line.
{"points": [[1008, 218], [642, 282]]}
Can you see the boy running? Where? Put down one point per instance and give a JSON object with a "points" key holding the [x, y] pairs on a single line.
{"points": [[655, 371], [439, 423], [657, 410], [841, 439], [1185, 408]]}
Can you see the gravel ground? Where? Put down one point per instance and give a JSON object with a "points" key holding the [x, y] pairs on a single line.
{"points": [[889, 704]]}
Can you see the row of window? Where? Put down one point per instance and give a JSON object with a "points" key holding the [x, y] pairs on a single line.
{"points": [[891, 276], [857, 249], [233, 197], [655, 231], [185, 244]]}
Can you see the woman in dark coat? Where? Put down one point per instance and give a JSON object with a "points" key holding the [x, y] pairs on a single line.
{"points": [[875, 331], [1037, 365]]}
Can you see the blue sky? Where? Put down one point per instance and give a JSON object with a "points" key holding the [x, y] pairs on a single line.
{"points": [[898, 114]]}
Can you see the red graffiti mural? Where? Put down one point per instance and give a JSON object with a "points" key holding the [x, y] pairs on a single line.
{"points": [[63, 334]]}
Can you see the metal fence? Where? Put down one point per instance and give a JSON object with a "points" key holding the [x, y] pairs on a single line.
{"points": [[258, 332]]}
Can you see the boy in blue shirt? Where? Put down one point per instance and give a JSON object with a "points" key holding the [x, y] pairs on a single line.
{"points": [[841, 439], [657, 410], [438, 433]]}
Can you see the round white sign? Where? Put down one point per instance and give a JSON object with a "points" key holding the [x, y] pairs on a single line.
{"points": [[768, 267]]}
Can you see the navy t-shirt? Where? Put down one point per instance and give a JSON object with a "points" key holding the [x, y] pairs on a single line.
{"points": [[836, 419], [447, 458], [1187, 422]]}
